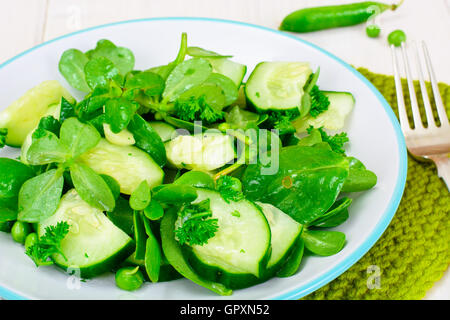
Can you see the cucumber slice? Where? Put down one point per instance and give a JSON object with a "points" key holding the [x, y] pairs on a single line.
{"points": [[277, 85], [94, 245], [128, 165], [202, 152], [239, 251], [341, 105], [233, 70], [164, 130], [285, 232], [23, 115]]}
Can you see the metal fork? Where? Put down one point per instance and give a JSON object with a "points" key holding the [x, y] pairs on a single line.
{"points": [[431, 142]]}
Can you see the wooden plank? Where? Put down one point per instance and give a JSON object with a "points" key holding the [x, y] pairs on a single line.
{"points": [[22, 25], [350, 44]]}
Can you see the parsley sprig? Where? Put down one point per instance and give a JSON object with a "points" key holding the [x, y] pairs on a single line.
{"points": [[336, 142], [197, 109], [3, 134], [230, 188], [48, 244], [319, 102], [282, 120], [195, 225]]}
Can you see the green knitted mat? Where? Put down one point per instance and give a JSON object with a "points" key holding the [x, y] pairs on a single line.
{"points": [[413, 252]]}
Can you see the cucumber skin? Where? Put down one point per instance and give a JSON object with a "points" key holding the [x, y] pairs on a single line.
{"points": [[272, 271], [105, 265], [230, 280], [233, 280]]}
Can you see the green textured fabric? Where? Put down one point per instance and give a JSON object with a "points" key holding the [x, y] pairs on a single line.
{"points": [[414, 251]]}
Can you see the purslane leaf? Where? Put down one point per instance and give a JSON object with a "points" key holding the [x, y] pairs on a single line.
{"points": [[119, 112], [140, 197], [123, 58], [78, 137], [198, 52], [185, 76], [151, 83], [91, 187], [99, 71], [71, 66], [229, 88], [39, 197], [148, 139], [323, 243], [47, 149]]}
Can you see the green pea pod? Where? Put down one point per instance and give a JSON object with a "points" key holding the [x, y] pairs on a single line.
{"points": [[293, 263], [324, 243], [174, 254], [174, 194], [326, 17]]}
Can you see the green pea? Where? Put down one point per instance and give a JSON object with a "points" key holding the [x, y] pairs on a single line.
{"points": [[19, 231], [396, 37], [129, 278], [373, 30], [30, 240]]}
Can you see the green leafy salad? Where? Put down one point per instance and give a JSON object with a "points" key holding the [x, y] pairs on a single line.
{"points": [[179, 170]]}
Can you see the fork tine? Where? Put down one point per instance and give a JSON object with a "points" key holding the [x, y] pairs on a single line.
{"points": [[423, 89], [404, 122], [437, 96], [412, 93]]}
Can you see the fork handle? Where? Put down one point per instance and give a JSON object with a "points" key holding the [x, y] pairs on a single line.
{"points": [[442, 162]]}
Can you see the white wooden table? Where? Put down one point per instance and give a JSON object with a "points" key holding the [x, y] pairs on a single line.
{"points": [[26, 23]]}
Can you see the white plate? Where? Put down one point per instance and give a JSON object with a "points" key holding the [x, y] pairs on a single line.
{"points": [[373, 130]]}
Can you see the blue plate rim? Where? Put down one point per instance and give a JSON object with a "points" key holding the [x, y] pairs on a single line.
{"points": [[403, 159]]}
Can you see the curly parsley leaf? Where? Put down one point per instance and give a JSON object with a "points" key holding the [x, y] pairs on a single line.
{"points": [[3, 134], [336, 142], [230, 188], [49, 244], [195, 225], [282, 120], [319, 102]]}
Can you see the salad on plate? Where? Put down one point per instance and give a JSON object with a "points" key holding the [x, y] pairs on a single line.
{"points": [[178, 171]]}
